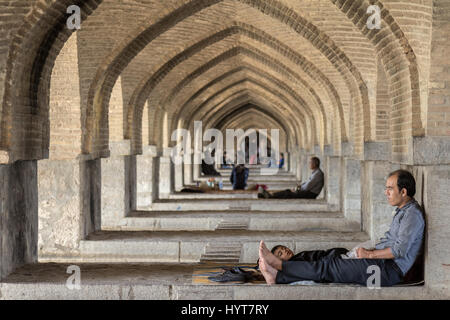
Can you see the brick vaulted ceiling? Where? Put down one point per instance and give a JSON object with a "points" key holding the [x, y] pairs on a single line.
{"points": [[312, 66]]}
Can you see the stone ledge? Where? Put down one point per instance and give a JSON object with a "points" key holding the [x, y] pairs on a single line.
{"points": [[121, 291], [174, 282], [377, 151], [431, 150]]}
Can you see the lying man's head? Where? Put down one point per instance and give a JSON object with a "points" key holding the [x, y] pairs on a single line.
{"points": [[282, 252], [400, 188]]}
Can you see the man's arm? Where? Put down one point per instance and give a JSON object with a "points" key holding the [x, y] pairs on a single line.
{"points": [[374, 254]]}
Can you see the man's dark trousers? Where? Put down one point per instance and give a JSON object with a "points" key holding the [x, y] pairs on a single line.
{"points": [[288, 194], [333, 269], [315, 255]]}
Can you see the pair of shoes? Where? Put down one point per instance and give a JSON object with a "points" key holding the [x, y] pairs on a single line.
{"points": [[234, 274]]}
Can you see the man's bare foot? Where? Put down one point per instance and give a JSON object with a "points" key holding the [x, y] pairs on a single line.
{"points": [[269, 273], [269, 257]]}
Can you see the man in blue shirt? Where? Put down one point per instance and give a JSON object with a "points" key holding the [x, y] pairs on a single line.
{"points": [[394, 254]]}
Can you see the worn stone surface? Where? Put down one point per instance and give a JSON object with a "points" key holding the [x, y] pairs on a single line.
{"points": [[60, 207], [146, 188], [18, 215], [437, 251], [352, 189], [174, 282]]}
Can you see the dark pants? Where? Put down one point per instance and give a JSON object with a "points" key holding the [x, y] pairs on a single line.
{"points": [[330, 268], [288, 194], [318, 254]]}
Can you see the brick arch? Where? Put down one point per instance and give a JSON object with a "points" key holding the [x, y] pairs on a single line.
{"points": [[243, 97], [231, 53], [312, 97], [210, 107], [37, 42], [100, 89], [234, 51], [256, 71], [297, 124], [224, 77], [398, 58], [264, 122], [144, 89], [308, 67]]}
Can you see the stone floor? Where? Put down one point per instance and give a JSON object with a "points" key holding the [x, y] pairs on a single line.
{"points": [[174, 282]]}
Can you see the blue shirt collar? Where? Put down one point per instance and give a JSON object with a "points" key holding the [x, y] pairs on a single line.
{"points": [[407, 205]]}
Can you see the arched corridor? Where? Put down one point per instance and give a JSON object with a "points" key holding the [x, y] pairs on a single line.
{"points": [[91, 116]]}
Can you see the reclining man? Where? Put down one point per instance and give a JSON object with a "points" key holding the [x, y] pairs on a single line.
{"points": [[394, 254], [307, 190]]}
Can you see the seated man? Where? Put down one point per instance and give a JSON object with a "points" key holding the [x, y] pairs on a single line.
{"points": [[394, 254], [239, 177], [307, 190]]}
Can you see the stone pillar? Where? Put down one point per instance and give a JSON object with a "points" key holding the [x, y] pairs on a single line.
{"points": [[166, 174], [352, 189], [376, 211], [287, 161], [436, 205], [196, 171], [188, 160], [116, 196], [178, 176], [18, 215], [69, 205], [147, 177], [306, 171], [298, 164], [333, 182]]}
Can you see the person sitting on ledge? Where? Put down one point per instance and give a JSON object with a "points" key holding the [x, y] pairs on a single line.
{"points": [[307, 190], [394, 254]]}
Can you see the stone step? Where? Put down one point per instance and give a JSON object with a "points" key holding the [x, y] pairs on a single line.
{"points": [[249, 204], [245, 220], [125, 246], [221, 253], [217, 196], [258, 171], [254, 178], [272, 186], [128, 281]]}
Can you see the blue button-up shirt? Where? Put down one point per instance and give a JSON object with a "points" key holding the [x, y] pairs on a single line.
{"points": [[405, 236]]}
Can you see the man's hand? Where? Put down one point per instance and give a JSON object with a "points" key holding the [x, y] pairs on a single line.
{"points": [[362, 253]]}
